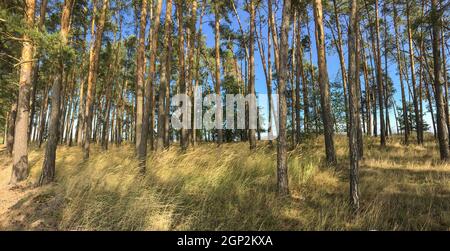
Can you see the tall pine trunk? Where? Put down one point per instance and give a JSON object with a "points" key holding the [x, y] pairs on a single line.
{"points": [[20, 169], [413, 77], [324, 84], [441, 125], [282, 174], [162, 113], [353, 77], [217, 71], [251, 85], [92, 79], [400, 74]]}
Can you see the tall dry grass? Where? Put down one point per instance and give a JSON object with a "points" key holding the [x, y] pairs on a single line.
{"points": [[232, 188]]}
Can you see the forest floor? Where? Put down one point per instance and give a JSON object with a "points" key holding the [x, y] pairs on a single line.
{"points": [[231, 188]]}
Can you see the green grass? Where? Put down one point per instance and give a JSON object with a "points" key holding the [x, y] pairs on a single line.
{"points": [[232, 188]]}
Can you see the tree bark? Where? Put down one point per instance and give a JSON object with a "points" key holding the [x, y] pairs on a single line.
{"points": [[324, 84], [299, 76], [341, 61], [217, 70], [42, 13], [149, 105], [140, 88], [353, 78], [377, 55], [12, 115], [400, 71], [162, 113], [282, 175], [20, 169], [48, 167], [441, 125], [92, 78], [167, 133], [413, 77], [251, 85], [369, 119]]}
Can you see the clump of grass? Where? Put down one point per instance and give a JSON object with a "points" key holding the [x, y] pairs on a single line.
{"points": [[233, 188]]}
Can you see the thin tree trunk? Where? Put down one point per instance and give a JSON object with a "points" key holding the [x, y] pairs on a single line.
{"points": [[190, 71], [430, 104], [251, 85], [400, 71], [379, 78], [299, 75], [167, 133], [217, 71], [43, 115], [42, 13], [380, 85], [267, 67], [162, 113], [353, 78], [282, 175], [341, 61], [92, 78], [441, 125], [141, 145], [149, 108], [182, 73], [324, 85], [444, 71], [413, 77], [292, 80], [274, 32], [48, 167], [369, 120]]}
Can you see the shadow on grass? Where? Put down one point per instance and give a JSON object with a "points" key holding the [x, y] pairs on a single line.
{"points": [[200, 190]]}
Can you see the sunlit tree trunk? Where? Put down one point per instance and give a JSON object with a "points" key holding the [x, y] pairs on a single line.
{"points": [[353, 77], [379, 76], [441, 125], [324, 84], [267, 67], [20, 167], [274, 33], [162, 113], [48, 167], [375, 35], [190, 48], [413, 77], [341, 60], [92, 78], [292, 80], [217, 64], [369, 117], [167, 133], [400, 73], [141, 144], [149, 104], [251, 85], [299, 76], [42, 13], [182, 71], [444, 71], [282, 175], [81, 112]]}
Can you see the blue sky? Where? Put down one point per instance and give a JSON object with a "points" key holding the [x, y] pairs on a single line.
{"points": [[333, 64]]}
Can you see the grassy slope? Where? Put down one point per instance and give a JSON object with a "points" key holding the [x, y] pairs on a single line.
{"points": [[230, 188]]}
